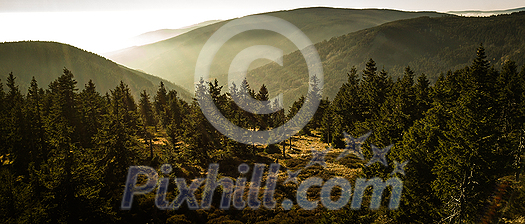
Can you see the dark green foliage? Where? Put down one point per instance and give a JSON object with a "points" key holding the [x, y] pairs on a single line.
{"points": [[473, 158], [422, 92], [45, 60], [65, 153], [430, 45], [460, 136], [262, 95], [332, 128], [92, 107], [348, 103], [374, 89], [160, 104], [177, 114], [146, 110]]}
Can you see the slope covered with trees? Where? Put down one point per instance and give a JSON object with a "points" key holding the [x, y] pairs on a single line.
{"points": [[428, 45], [45, 61], [462, 137], [174, 59], [65, 149]]}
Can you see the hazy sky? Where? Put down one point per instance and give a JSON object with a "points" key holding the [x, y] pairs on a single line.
{"points": [[104, 25]]}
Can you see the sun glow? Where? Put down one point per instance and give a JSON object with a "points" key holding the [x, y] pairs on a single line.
{"points": [[98, 32]]}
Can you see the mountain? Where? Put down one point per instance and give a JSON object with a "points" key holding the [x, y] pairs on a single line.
{"points": [[485, 13], [428, 45], [163, 34], [174, 59], [46, 60]]}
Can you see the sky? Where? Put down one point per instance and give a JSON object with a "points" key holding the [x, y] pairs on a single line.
{"points": [[102, 26]]}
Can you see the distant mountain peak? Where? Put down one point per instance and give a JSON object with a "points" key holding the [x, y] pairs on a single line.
{"points": [[163, 34]]}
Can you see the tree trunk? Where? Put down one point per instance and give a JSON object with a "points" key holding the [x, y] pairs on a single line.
{"points": [[283, 144]]}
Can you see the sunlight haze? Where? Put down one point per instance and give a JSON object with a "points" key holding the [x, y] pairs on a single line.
{"points": [[101, 26]]}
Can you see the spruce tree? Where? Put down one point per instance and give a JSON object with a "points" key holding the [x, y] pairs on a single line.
{"points": [[16, 125], [348, 103], [91, 111], [199, 136], [176, 107], [262, 95], [160, 105], [469, 157], [146, 113], [146, 110], [3, 123], [422, 91], [116, 147], [69, 173], [374, 90]]}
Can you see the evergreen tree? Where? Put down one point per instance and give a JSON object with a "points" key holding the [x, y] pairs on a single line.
{"points": [[3, 123], [146, 113], [315, 94], [398, 112], [175, 106], [35, 140], [69, 174], [262, 95], [374, 90], [91, 111], [116, 145], [250, 120], [422, 91], [292, 112], [160, 105], [332, 128], [14, 172], [16, 125], [199, 135], [420, 203], [348, 103], [146, 110], [177, 115], [35, 133], [511, 86], [470, 158]]}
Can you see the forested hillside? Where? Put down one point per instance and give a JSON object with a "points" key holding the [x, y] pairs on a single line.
{"points": [[65, 149], [428, 45], [174, 59], [45, 61], [462, 138]]}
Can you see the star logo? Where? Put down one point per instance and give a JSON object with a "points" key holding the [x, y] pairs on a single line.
{"points": [[379, 155], [318, 157], [292, 176], [399, 167], [353, 145]]}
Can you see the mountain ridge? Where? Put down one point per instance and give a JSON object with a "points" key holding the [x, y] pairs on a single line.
{"points": [[163, 34], [175, 58], [45, 60], [428, 45]]}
